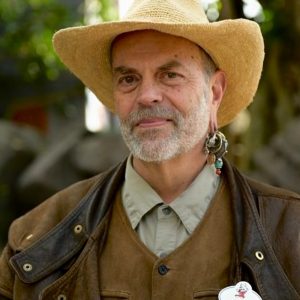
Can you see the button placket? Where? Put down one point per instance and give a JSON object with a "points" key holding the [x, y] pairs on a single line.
{"points": [[163, 254], [165, 238], [167, 210]]}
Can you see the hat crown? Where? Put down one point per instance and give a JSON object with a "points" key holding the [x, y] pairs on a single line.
{"points": [[167, 11], [235, 45]]}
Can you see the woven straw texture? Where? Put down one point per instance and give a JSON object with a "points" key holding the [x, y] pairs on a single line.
{"points": [[236, 46]]}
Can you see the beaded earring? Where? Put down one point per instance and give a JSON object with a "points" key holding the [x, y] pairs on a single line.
{"points": [[216, 147]]}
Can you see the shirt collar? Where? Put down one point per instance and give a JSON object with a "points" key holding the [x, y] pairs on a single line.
{"points": [[192, 204], [139, 198]]}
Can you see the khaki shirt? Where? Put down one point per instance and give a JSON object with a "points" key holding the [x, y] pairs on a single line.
{"points": [[163, 227]]}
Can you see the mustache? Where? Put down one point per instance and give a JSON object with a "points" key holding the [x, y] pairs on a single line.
{"points": [[152, 112]]}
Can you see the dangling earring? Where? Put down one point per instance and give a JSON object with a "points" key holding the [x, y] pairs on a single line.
{"points": [[215, 148]]}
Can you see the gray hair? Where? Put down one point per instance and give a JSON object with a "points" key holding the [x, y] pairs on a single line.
{"points": [[209, 65]]}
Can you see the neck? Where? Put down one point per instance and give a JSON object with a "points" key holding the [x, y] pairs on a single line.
{"points": [[172, 177]]}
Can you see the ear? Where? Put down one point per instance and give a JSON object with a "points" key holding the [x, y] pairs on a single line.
{"points": [[218, 87]]}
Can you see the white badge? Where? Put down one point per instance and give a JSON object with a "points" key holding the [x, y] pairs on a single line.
{"points": [[241, 291]]}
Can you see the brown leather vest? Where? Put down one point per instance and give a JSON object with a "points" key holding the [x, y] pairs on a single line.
{"points": [[197, 269]]}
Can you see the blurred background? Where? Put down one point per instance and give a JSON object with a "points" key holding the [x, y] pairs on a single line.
{"points": [[54, 132]]}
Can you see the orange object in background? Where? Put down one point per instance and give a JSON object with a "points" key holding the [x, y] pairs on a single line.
{"points": [[32, 114]]}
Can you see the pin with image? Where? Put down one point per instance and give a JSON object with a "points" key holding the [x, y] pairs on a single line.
{"points": [[240, 291]]}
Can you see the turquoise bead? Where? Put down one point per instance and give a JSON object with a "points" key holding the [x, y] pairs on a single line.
{"points": [[219, 163]]}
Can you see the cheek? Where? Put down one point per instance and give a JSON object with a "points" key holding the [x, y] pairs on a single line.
{"points": [[183, 99], [178, 96], [123, 105]]}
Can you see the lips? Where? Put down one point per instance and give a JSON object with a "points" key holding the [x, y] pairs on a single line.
{"points": [[151, 117], [152, 122]]}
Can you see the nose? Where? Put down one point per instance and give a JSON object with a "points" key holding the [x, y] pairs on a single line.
{"points": [[149, 92]]}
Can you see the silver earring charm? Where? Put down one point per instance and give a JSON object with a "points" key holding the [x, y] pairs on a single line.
{"points": [[216, 147]]}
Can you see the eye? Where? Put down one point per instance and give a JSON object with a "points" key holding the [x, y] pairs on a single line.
{"points": [[171, 75], [127, 82], [128, 79], [172, 78]]}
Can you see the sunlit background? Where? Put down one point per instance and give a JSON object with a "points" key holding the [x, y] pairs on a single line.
{"points": [[53, 131], [96, 116]]}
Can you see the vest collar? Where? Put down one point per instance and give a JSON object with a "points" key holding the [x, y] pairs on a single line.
{"points": [[47, 255], [66, 240]]}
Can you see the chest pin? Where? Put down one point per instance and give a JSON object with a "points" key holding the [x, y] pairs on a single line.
{"points": [[240, 291]]}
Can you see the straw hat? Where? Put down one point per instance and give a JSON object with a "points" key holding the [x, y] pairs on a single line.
{"points": [[236, 46]]}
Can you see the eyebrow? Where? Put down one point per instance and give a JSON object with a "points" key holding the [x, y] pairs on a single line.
{"points": [[165, 67], [124, 70], [169, 65]]}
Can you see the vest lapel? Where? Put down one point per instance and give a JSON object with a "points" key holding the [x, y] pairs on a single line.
{"points": [[253, 248]]}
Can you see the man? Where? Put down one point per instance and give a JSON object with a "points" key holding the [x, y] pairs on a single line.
{"points": [[171, 222]]}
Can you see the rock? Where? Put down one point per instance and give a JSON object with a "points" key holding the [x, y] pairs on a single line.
{"points": [[279, 162], [50, 172], [19, 145], [277, 169], [99, 152]]}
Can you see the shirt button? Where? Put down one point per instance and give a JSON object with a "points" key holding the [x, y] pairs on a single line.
{"points": [[163, 269], [167, 210]]}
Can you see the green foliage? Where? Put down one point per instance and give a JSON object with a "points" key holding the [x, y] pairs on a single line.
{"points": [[26, 36], [280, 21], [108, 11], [212, 9], [27, 30]]}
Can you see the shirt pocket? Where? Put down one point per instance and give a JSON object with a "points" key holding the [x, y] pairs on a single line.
{"points": [[206, 295], [114, 295]]}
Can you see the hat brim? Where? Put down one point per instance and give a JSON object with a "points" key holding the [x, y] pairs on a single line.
{"points": [[236, 46]]}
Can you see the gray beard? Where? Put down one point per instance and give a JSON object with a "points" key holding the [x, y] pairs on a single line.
{"points": [[153, 145]]}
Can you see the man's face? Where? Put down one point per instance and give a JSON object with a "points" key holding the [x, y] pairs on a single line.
{"points": [[161, 94]]}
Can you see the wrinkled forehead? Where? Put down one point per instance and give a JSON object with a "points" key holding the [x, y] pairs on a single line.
{"points": [[161, 41], [149, 33], [144, 38]]}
